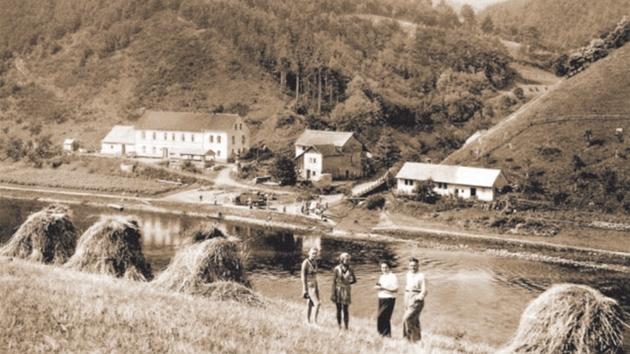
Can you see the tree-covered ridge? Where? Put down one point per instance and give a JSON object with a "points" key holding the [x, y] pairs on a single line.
{"points": [[339, 70], [557, 25]]}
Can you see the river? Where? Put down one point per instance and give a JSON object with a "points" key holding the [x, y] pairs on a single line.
{"points": [[475, 296]]}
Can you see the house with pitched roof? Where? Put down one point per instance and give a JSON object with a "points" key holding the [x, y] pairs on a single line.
{"points": [[119, 141], [195, 136], [320, 152], [458, 181]]}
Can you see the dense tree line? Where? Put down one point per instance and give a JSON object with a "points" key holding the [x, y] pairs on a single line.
{"points": [[557, 25], [343, 64]]}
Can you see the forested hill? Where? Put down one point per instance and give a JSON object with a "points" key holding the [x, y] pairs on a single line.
{"points": [[76, 67], [557, 25]]}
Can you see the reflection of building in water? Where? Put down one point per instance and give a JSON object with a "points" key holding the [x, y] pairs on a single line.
{"points": [[157, 231], [311, 241]]}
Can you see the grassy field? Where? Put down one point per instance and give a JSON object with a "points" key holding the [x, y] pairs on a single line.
{"points": [[52, 309], [84, 181]]}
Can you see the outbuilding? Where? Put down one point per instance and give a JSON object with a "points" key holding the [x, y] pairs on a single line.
{"points": [[458, 181]]}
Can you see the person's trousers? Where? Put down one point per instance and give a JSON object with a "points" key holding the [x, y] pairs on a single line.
{"points": [[385, 311], [411, 321]]}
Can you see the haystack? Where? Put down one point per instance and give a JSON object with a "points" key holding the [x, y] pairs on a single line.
{"points": [[202, 232], [112, 246], [46, 236], [569, 318], [231, 291], [198, 264]]}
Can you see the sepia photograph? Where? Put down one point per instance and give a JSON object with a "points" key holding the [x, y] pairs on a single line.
{"points": [[315, 176]]}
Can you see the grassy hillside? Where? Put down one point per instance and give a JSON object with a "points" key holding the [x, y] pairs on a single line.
{"points": [[564, 148], [48, 308], [74, 68]]}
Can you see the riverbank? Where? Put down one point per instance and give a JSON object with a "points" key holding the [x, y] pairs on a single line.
{"points": [[52, 309], [364, 226]]}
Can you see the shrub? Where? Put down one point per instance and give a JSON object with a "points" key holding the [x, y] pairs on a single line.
{"points": [[374, 202], [189, 166]]}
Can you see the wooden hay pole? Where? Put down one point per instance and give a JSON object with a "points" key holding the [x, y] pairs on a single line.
{"points": [[201, 263], [47, 236], [569, 318], [112, 246]]}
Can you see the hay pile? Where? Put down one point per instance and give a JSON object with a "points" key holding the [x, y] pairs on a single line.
{"points": [[197, 264], [230, 291], [201, 233], [112, 246], [47, 236], [570, 318]]}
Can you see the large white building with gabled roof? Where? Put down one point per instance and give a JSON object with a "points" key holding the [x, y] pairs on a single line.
{"points": [[458, 181], [197, 136]]}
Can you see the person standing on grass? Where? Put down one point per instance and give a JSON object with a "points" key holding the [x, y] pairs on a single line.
{"points": [[415, 292], [343, 278], [310, 290], [387, 287]]}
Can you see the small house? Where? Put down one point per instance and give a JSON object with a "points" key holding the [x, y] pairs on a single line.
{"points": [[70, 145], [458, 181], [324, 152]]}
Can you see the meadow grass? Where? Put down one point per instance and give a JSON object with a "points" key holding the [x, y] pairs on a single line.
{"points": [[83, 180], [49, 308]]}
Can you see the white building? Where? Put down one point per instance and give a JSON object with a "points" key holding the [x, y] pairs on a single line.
{"points": [[324, 152], [70, 145], [197, 136], [119, 141], [459, 181]]}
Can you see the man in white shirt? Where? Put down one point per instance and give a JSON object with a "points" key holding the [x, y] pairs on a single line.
{"points": [[388, 287], [415, 291]]}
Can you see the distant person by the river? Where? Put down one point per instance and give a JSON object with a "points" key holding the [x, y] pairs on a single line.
{"points": [[387, 287], [343, 278], [310, 289], [415, 292]]}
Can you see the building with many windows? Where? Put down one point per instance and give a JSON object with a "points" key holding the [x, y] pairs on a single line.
{"points": [[458, 181], [195, 136]]}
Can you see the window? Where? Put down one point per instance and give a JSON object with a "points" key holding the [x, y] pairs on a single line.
{"points": [[144, 149], [235, 126], [173, 136], [218, 152], [239, 151], [111, 146], [243, 140], [153, 150], [192, 137], [219, 139], [240, 126], [165, 136], [144, 135], [232, 151], [314, 173], [473, 191], [233, 139], [183, 137], [211, 138], [154, 135]]}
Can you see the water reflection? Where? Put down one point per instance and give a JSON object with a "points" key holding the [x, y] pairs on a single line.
{"points": [[476, 294]]}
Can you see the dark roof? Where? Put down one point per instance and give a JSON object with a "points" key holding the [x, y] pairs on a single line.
{"points": [[181, 121], [321, 137], [327, 150]]}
